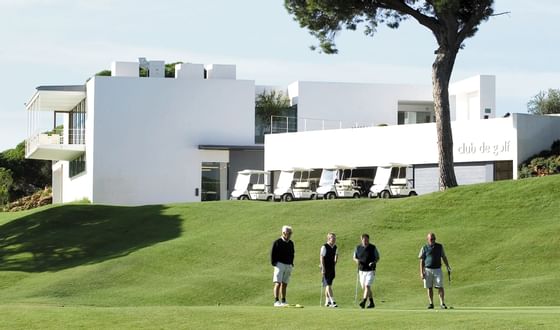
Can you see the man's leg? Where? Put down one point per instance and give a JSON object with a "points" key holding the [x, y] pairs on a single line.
{"points": [[284, 288], [367, 292], [431, 297], [442, 297], [276, 291]]}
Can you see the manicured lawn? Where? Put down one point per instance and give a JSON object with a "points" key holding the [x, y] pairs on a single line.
{"points": [[170, 266], [252, 317]]}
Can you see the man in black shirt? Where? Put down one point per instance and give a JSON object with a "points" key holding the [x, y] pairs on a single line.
{"points": [[328, 259], [366, 257], [430, 257], [282, 258]]}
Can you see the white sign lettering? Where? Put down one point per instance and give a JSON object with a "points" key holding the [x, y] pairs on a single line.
{"points": [[484, 148]]}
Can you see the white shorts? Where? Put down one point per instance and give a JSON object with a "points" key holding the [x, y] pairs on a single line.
{"points": [[433, 278], [282, 273], [366, 278]]}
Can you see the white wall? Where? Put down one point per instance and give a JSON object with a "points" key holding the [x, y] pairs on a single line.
{"points": [[365, 104], [470, 97], [147, 132], [475, 140]]}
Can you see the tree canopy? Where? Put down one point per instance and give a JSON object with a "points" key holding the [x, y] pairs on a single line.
{"points": [[450, 21], [28, 175], [545, 102]]}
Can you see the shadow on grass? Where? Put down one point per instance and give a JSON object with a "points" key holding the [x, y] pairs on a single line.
{"points": [[72, 235]]}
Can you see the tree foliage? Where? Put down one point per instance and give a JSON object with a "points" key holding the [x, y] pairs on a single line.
{"points": [[6, 181], [29, 175], [545, 102], [450, 21], [268, 104]]}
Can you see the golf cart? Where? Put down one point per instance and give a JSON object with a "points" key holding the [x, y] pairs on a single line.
{"points": [[253, 185], [392, 181], [337, 182], [295, 184]]}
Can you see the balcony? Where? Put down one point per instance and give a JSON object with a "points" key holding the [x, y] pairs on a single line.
{"points": [[55, 146], [64, 107]]}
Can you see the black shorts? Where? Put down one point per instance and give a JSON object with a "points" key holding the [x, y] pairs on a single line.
{"points": [[328, 278]]}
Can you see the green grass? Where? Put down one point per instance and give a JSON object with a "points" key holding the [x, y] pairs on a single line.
{"points": [[207, 264]]}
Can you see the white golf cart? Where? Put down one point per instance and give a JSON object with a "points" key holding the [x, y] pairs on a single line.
{"points": [[253, 185], [337, 182], [295, 184], [392, 181]]}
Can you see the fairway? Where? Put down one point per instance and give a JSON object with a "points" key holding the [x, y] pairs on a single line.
{"points": [[251, 317], [207, 265]]}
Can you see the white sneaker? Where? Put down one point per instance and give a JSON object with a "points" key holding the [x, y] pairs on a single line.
{"points": [[278, 304], [284, 303]]}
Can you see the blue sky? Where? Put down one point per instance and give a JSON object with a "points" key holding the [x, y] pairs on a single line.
{"points": [[50, 42]]}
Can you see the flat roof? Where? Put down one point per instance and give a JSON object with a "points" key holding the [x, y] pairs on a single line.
{"points": [[255, 147], [56, 98]]}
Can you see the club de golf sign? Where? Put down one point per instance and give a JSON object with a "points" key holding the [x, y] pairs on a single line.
{"points": [[484, 148]]}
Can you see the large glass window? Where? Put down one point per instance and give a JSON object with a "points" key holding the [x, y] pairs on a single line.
{"points": [[77, 123], [282, 122]]}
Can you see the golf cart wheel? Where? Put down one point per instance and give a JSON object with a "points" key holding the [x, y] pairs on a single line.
{"points": [[412, 193], [313, 197], [331, 195], [243, 198], [385, 194], [356, 195], [269, 199], [287, 198]]}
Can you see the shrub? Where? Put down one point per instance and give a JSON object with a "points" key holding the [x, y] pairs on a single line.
{"points": [[547, 162]]}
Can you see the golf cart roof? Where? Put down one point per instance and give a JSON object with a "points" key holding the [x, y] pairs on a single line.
{"points": [[395, 165], [249, 172], [344, 167]]}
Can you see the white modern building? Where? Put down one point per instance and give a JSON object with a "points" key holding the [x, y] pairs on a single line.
{"points": [[133, 140], [130, 140]]}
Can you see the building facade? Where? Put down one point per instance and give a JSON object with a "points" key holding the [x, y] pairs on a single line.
{"points": [[130, 140]]}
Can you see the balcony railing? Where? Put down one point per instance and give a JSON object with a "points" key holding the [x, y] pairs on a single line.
{"points": [[56, 145], [282, 124]]}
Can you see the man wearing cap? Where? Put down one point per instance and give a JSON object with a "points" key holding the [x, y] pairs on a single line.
{"points": [[430, 257], [282, 259]]}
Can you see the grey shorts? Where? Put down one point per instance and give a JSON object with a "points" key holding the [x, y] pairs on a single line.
{"points": [[433, 277]]}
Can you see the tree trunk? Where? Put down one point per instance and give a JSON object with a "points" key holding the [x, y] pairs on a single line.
{"points": [[441, 74]]}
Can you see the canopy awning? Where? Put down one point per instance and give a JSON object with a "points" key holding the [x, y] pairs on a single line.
{"points": [[56, 98]]}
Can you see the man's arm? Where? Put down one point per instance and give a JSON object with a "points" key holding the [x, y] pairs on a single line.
{"points": [[273, 254], [321, 257], [355, 257], [444, 258], [422, 265]]}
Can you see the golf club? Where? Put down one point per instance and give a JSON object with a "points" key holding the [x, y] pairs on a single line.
{"points": [[357, 281], [321, 297]]}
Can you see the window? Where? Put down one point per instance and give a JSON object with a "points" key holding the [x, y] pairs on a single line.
{"points": [[77, 166], [283, 122], [77, 123]]}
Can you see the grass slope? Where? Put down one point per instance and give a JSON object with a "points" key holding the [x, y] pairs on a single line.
{"points": [[501, 239]]}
